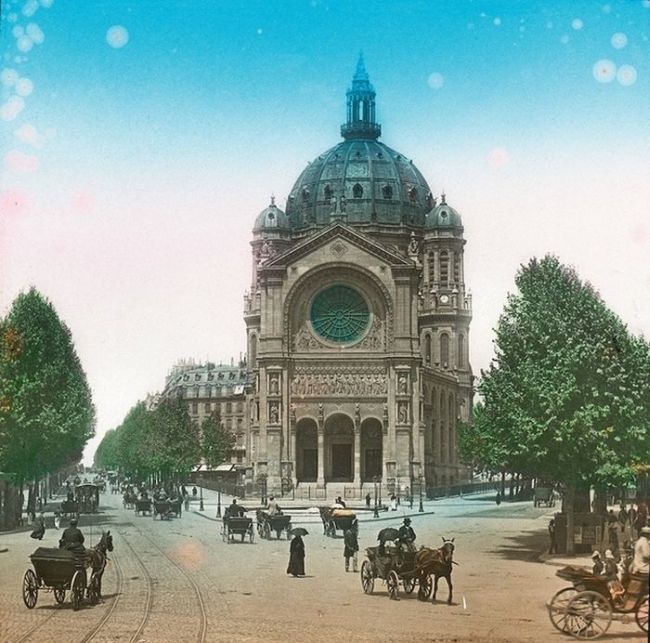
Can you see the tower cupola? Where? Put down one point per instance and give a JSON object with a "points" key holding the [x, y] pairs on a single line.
{"points": [[361, 122]]}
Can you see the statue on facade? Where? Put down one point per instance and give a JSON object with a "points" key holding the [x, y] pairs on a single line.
{"points": [[274, 385], [274, 414], [413, 247], [402, 384]]}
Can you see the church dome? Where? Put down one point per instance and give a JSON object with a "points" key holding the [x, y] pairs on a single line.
{"points": [[360, 180], [444, 216], [271, 218]]}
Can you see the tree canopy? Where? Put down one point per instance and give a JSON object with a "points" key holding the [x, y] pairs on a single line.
{"points": [[567, 397], [216, 441], [46, 410]]}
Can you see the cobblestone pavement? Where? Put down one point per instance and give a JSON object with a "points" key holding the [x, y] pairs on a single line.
{"points": [[176, 581]]}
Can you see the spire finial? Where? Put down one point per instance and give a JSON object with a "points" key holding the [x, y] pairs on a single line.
{"points": [[361, 121], [272, 200], [360, 74], [443, 198]]}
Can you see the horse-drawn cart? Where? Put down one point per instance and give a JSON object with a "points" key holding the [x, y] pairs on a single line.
{"points": [[587, 607], [87, 495], [58, 571], [237, 526], [267, 524], [162, 509], [143, 506], [69, 508], [544, 496], [335, 519]]}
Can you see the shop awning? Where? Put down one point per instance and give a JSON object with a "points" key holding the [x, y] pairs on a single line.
{"points": [[225, 467]]}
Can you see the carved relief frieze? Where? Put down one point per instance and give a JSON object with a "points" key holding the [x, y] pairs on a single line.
{"points": [[316, 381]]}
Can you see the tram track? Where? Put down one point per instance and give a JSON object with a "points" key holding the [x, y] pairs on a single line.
{"points": [[27, 635]]}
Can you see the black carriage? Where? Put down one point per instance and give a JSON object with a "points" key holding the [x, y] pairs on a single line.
{"points": [[336, 519], [393, 567], [162, 509], [270, 523], [237, 526], [87, 495], [586, 608], [176, 507], [544, 496], [69, 508], [143, 506], [60, 571]]}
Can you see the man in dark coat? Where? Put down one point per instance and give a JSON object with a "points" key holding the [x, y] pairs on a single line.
{"points": [[72, 538], [351, 547], [296, 557]]}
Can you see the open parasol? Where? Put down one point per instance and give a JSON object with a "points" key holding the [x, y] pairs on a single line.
{"points": [[299, 531], [389, 533]]}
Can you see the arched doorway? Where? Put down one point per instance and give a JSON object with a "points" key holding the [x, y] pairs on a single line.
{"points": [[371, 450], [306, 451], [339, 448]]}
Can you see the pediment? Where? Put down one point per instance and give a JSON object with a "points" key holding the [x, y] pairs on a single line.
{"points": [[344, 235]]}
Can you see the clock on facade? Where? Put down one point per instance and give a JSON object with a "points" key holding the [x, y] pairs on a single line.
{"points": [[339, 314], [444, 299]]}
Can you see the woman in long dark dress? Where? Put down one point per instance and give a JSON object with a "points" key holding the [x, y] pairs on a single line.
{"points": [[296, 557]]}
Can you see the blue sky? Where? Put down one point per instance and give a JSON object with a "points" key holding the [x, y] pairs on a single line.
{"points": [[139, 139]]}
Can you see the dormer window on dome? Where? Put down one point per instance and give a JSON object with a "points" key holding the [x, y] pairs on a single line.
{"points": [[387, 192], [357, 191]]}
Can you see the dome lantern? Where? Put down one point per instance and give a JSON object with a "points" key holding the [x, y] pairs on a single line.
{"points": [[361, 107]]}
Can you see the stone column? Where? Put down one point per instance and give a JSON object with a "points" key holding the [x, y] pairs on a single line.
{"points": [[321, 452], [357, 452]]}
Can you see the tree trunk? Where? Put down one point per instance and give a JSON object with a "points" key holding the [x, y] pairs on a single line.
{"points": [[568, 504], [503, 484]]}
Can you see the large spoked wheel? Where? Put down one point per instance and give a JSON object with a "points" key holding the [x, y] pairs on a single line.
{"points": [[30, 589], [59, 594], [77, 589], [267, 531], [392, 583], [641, 615], [367, 577], [426, 585], [409, 585], [557, 609], [590, 614], [93, 590]]}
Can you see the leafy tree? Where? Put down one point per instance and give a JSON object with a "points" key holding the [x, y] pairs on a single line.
{"points": [[216, 441], [567, 397], [46, 410], [135, 442], [107, 454]]}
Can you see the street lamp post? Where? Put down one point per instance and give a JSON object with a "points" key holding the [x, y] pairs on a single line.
{"points": [[421, 508], [201, 508], [376, 511], [218, 503]]}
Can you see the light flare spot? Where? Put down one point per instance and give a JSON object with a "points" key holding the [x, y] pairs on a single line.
{"points": [[498, 157], [11, 108], [18, 32], [497, 22], [8, 77], [13, 202], [607, 8], [619, 40], [18, 161], [46, 4], [626, 75], [30, 8], [117, 36], [35, 33], [436, 80], [565, 40], [577, 24], [83, 201], [12, 17], [24, 87], [28, 134], [604, 71], [190, 555], [24, 44]]}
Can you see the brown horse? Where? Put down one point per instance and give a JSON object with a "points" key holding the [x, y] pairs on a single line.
{"points": [[97, 556], [436, 562]]}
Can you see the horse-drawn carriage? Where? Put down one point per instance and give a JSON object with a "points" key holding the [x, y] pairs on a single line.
{"points": [[143, 506], [269, 523], [129, 499], [60, 571], [544, 496], [87, 495], [237, 526], [69, 508], [397, 565], [335, 518], [587, 607]]}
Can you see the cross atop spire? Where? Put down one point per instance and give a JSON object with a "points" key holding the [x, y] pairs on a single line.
{"points": [[361, 106]]}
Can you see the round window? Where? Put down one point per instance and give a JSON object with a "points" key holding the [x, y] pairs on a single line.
{"points": [[340, 314]]}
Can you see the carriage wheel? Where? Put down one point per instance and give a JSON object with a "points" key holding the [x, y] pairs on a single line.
{"points": [[557, 609], [30, 589], [409, 585], [93, 589], [426, 585], [590, 614], [59, 594], [267, 531], [641, 615], [367, 577], [392, 583], [77, 589]]}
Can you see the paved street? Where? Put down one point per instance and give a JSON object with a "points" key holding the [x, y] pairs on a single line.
{"points": [[176, 581]]}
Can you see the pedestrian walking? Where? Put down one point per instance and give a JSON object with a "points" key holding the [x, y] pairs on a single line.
{"points": [[498, 498], [296, 557], [551, 534], [367, 501], [393, 503], [351, 547], [194, 492]]}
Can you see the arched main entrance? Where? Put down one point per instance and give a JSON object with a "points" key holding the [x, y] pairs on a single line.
{"points": [[371, 449], [306, 451], [339, 448]]}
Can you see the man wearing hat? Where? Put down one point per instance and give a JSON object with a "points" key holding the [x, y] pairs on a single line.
{"points": [[641, 564], [72, 538], [406, 535], [598, 567]]}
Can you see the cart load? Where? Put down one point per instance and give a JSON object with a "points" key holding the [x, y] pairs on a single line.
{"points": [[270, 523]]}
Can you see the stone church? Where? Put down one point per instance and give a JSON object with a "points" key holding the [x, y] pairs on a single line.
{"points": [[358, 321]]}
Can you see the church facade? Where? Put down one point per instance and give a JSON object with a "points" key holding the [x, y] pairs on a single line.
{"points": [[358, 321]]}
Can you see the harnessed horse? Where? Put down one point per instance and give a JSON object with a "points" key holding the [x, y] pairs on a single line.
{"points": [[97, 556], [437, 562]]}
